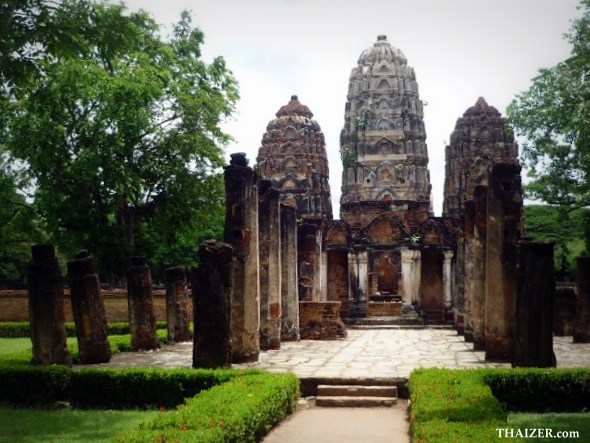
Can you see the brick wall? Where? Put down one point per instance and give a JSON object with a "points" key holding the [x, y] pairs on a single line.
{"points": [[384, 309], [320, 321], [14, 305]]}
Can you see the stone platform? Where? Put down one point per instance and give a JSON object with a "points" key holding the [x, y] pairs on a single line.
{"points": [[375, 353]]}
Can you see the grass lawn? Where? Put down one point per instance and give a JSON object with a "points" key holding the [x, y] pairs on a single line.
{"points": [[67, 425], [568, 422]]}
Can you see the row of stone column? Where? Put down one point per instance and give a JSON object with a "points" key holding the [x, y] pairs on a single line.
{"points": [[46, 307], [508, 286], [246, 287]]}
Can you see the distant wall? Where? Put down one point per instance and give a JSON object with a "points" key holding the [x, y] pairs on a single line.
{"points": [[14, 305]]}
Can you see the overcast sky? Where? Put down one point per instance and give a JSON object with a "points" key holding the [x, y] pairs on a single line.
{"points": [[460, 50]]}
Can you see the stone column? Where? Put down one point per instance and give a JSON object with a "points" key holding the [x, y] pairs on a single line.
{"points": [[46, 308], [142, 320], [533, 331], [352, 282], [582, 317], [310, 258], [289, 292], [477, 283], [177, 305], [88, 309], [324, 276], [241, 231], [504, 204], [447, 276], [411, 267], [212, 294], [269, 223]]}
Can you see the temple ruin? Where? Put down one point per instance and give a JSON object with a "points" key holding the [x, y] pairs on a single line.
{"points": [[388, 258]]}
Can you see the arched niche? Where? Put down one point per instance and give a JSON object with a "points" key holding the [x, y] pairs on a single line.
{"points": [[385, 231], [336, 233]]}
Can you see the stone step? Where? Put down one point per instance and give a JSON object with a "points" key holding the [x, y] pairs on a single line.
{"points": [[354, 402], [357, 391]]}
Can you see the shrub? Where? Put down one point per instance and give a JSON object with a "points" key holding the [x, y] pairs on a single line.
{"points": [[258, 401], [541, 390], [455, 395], [23, 329], [141, 387], [34, 385]]}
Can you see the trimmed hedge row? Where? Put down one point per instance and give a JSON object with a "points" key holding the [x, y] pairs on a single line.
{"points": [[43, 386], [471, 405], [22, 329], [541, 390], [452, 406], [241, 410], [140, 388]]}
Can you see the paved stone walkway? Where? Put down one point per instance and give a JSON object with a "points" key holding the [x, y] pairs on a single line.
{"points": [[369, 353]]}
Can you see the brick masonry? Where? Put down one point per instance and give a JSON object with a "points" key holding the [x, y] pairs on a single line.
{"points": [[14, 305], [320, 321]]}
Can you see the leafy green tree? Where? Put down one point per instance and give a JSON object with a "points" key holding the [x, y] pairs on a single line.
{"points": [[562, 226], [553, 116], [18, 229], [120, 132]]}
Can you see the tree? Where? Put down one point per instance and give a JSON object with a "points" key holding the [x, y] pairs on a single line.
{"points": [[553, 116], [120, 131], [18, 229]]}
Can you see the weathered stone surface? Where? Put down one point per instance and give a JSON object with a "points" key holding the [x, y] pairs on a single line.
{"points": [[582, 319], [46, 308], [293, 157], [533, 325], [504, 227], [241, 231], [88, 308], [269, 223], [212, 294], [309, 259], [321, 321], [142, 320], [289, 286], [383, 145], [481, 139], [564, 312], [177, 305]]}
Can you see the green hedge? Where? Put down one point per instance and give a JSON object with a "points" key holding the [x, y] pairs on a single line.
{"points": [[241, 410], [541, 390], [105, 388], [23, 329], [452, 406], [39, 386], [141, 388], [471, 405]]}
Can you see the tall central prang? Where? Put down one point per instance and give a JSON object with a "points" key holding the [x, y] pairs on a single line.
{"points": [[382, 145]]}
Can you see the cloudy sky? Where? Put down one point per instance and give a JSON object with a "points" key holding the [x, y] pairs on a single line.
{"points": [[460, 50]]}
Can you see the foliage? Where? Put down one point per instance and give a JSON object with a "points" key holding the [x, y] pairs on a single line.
{"points": [[541, 390], [18, 229], [258, 402], [471, 405], [67, 425], [565, 422], [118, 133], [553, 116], [140, 388], [15, 329], [40, 386], [453, 405], [565, 228], [462, 395]]}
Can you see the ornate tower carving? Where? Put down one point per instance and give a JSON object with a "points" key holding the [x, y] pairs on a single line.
{"points": [[293, 157], [383, 149], [480, 140]]}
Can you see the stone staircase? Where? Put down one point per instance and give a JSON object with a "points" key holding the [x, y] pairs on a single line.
{"points": [[355, 396]]}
